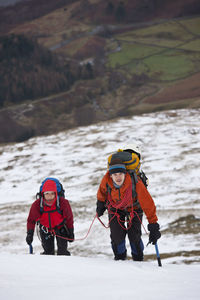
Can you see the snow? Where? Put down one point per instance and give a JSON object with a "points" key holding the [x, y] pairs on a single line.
{"points": [[170, 143], [43, 277]]}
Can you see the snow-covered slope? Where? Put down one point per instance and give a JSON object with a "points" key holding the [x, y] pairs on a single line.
{"points": [[42, 277], [170, 142]]}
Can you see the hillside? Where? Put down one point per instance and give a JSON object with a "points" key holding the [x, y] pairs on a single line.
{"points": [[170, 143], [137, 62]]}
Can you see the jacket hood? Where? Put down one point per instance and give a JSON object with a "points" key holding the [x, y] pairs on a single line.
{"points": [[49, 186]]}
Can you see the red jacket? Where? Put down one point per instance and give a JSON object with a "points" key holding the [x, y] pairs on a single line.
{"points": [[143, 196], [50, 216], [50, 219]]}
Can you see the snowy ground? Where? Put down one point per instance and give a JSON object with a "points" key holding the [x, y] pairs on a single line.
{"points": [[42, 277], [170, 142]]}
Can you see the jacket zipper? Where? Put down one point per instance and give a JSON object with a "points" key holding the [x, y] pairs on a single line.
{"points": [[49, 220]]}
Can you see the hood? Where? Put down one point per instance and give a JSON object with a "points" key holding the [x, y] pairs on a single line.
{"points": [[49, 186]]}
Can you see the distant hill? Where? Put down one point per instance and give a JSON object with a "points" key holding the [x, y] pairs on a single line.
{"points": [[29, 70], [104, 59]]}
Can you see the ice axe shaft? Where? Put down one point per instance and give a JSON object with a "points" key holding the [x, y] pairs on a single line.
{"points": [[30, 249], [158, 255]]}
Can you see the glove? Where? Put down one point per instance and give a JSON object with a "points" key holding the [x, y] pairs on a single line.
{"points": [[100, 208], [29, 237], [63, 231], [66, 232], [71, 234], [154, 232]]}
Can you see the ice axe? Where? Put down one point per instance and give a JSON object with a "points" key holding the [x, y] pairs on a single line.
{"points": [[30, 249], [158, 255]]}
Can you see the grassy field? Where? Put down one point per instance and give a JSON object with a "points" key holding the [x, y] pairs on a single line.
{"points": [[164, 52], [134, 68]]}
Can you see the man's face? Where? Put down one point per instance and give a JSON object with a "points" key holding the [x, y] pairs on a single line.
{"points": [[118, 178]]}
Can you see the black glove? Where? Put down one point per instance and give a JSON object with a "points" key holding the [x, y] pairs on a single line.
{"points": [[154, 232], [100, 208], [29, 237], [66, 232], [63, 231], [71, 234]]}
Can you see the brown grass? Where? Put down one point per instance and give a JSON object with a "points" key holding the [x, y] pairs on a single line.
{"points": [[184, 89]]}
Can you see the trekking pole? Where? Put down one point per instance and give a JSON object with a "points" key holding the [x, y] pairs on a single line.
{"points": [[30, 249], [158, 255]]}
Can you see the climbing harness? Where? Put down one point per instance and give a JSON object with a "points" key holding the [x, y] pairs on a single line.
{"points": [[118, 218]]}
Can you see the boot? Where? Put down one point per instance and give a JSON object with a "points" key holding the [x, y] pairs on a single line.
{"points": [[137, 251], [65, 252], [139, 257], [119, 250], [45, 253], [121, 256]]}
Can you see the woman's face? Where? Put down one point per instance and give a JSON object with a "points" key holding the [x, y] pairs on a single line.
{"points": [[49, 197], [118, 178]]}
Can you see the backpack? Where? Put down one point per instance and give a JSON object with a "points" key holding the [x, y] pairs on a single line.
{"points": [[131, 160], [132, 164], [60, 192]]}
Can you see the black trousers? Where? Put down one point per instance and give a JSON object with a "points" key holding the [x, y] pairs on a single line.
{"points": [[48, 243], [118, 233]]}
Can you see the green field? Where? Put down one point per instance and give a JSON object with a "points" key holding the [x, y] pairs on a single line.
{"points": [[166, 52]]}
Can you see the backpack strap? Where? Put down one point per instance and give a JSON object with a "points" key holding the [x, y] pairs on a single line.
{"points": [[144, 178], [108, 193], [41, 205], [58, 205], [134, 180], [39, 197]]}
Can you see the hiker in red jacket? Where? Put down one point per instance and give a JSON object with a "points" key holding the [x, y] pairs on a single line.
{"points": [[55, 218]]}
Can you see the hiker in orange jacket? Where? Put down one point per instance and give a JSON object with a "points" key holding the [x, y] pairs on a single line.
{"points": [[115, 194]]}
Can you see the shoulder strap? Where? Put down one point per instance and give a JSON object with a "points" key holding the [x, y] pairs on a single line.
{"points": [[134, 180], [144, 178], [108, 192]]}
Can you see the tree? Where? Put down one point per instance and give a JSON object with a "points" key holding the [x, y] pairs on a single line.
{"points": [[109, 8], [120, 12]]}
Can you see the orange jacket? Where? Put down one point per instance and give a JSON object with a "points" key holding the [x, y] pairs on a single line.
{"points": [[146, 202]]}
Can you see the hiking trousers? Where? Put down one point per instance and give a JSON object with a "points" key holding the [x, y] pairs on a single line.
{"points": [[119, 229], [48, 243]]}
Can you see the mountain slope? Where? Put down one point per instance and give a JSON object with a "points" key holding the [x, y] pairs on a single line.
{"points": [[170, 143]]}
